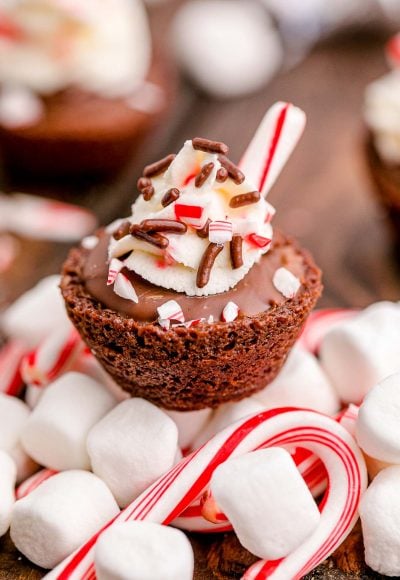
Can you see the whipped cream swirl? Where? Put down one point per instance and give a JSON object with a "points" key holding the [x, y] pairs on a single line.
{"points": [[102, 46], [222, 212]]}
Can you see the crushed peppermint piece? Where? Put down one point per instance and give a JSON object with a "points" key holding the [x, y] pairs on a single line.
{"points": [[123, 288], [285, 282], [220, 232], [258, 241], [230, 312], [89, 242], [194, 322], [113, 271], [171, 311], [210, 319], [165, 324]]}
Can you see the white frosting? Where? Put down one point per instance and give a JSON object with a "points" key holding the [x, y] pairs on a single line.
{"points": [[101, 45], [176, 267], [382, 114]]}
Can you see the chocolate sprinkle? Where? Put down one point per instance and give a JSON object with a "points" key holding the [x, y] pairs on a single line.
{"points": [[204, 174], [159, 166], [222, 175], [143, 183], [206, 264], [155, 239], [148, 193], [203, 232], [245, 199], [209, 146], [122, 231], [233, 171], [171, 196], [236, 251], [161, 225]]}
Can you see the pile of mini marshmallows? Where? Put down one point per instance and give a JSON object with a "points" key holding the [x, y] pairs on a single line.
{"points": [[75, 450]]}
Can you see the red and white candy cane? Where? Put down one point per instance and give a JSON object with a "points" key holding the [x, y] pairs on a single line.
{"points": [[272, 145], [172, 493], [30, 484], [11, 355], [203, 515], [319, 323], [53, 357]]}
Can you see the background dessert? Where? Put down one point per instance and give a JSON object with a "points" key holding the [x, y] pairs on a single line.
{"points": [[383, 142], [79, 85]]}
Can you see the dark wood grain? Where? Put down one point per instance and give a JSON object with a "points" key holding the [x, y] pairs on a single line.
{"points": [[324, 198]]}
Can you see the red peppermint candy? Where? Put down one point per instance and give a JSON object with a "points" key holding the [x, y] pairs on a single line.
{"points": [[258, 241]]}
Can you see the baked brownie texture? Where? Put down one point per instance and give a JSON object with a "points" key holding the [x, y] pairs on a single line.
{"points": [[190, 368]]}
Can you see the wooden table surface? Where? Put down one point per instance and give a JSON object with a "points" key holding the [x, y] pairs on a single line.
{"points": [[324, 198]]}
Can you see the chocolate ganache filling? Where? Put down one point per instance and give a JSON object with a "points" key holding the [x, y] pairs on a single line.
{"points": [[255, 293]]}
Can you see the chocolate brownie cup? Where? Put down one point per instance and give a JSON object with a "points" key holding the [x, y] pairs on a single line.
{"points": [[72, 100], [192, 301]]}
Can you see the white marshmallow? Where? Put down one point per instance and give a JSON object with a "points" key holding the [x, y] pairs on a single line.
{"points": [[267, 502], [36, 313], [59, 515], [222, 45], [143, 551], [131, 447], [378, 423], [380, 520], [87, 364], [14, 415], [24, 464], [189, 424], [301, 383], [226, 415], [360, 352], [55, 434], [8, 474]]}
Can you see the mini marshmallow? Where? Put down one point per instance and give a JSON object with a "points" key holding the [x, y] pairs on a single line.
{"points": [[360, 352], [225, 415], [59, 515], [143, 551], [131, 447], [8, 474], [55, 434], [14, 415], [301, 383], [25, 465], [36, 313], [222, 46], [88, 365], [189, 424], [267, 502], [378, 423], [380, 520]]}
